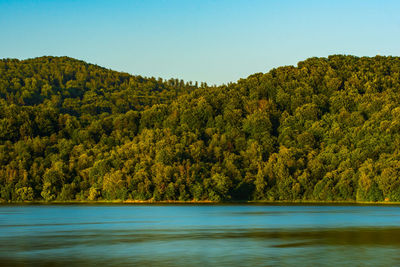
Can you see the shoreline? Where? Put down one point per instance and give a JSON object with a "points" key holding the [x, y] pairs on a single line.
{"points": [[200, 202]]}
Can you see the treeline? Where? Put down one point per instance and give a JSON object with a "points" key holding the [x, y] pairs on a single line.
{"points": [[328, 129]]}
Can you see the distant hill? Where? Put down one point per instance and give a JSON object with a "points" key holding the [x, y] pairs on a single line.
{"points": [[326, 130]]}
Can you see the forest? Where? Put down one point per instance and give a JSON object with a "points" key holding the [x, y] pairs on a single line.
{"points": [[327, 129]]}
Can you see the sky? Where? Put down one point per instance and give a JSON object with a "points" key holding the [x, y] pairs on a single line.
{"points": [[198, 40]]}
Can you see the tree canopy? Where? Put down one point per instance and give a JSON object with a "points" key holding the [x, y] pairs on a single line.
{"points": [[327, 130]]}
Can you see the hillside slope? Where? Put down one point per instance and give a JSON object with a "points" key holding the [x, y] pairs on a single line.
{"points": [[328, 129]]}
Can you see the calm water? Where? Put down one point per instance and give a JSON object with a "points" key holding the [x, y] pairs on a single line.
{"points": [[203, 235]]}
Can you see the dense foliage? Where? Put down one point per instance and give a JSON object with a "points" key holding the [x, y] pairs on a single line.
{"points": [[328, 129]]}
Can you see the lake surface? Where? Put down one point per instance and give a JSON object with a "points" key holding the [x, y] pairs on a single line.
{"points": [[199, 235]]}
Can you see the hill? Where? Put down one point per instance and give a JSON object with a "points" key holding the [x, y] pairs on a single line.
{"points": [[326, 130]]}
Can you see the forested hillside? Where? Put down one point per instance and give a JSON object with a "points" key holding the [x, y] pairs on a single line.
{"points": [[326, 130]]}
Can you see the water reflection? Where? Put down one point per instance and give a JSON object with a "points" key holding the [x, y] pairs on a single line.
{"points": [[199, 235]]}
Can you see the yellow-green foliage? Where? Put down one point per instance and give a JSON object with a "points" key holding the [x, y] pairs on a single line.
{"points": [[326, 130]]}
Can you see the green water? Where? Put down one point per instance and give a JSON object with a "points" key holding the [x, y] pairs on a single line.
{"points": [[199, 235]]}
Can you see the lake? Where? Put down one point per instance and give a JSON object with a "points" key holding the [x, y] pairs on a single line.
{"points": [[199, 235]]}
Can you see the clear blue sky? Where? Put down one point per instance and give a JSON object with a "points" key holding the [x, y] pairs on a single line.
{"points": [[212, 41]]}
